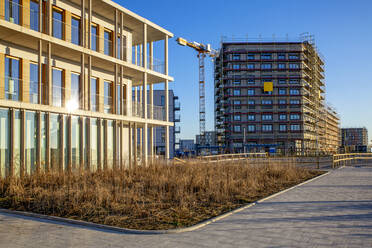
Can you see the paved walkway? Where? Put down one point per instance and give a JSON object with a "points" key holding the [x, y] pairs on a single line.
{"points": [[332, 211]]}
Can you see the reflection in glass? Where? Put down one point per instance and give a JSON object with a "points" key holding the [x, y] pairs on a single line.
{"points": [[4, 143]]}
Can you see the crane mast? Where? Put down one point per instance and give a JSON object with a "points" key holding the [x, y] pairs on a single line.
{"points": [[203, 51]]}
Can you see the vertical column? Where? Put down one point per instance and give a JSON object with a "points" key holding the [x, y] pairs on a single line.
{"points": [[2, 73], [99, 144], [105, 162], [67, 27], [114, 88], [2, 9], [130, 144], [101, 94], [40, 70], [23, 170], [62, 142], [47, 155], [26, 13], [83, 23], [122, 46], [89, 24], [89, 97], [82, 79], [115, 38], [67, 85], [115, 147], [135, 143], [151, 54], [88, 149], [136, 55], [69, 145], [166, 97], [12, 138], [82, 143], [101, 42], [38, 140], [49, 73], [25, 86], [50, 17], [151, 134]]}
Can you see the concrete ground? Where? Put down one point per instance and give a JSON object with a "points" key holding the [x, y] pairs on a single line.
{"points": [[332, 211]]}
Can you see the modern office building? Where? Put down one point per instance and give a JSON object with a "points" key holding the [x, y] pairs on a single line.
{"points": [[67, 72], [174, 116], [270, 94], [354, 137]]}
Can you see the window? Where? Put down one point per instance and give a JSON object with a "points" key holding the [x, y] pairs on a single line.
{"points": [[5, 143], [75, 30], [55, 140], [250, 56], [236, 92], [12, 78], [58, 23], [282, 127], [251, 117], [294, 102], [281, 56], [295, 127], [162, 100], [108, 97], [118, 99], [282, 117], [237, 128], [282, 81], [251, 102], [34, 83], [236, 66], [34, 15], [75, 90], [294, 116], [237, 117], [236, 82], [267, 102], [294, 92], [251, 81], [236, 102], [282, 91], [281, 66], [266, 66], [251, 128], [93, 41], [118, 47], [294, 66], [250, 92], [57, 87], [294, 81], [293, 56], [267, 117], [13, 11], [282, 102], [107, 42], [250, 66], [267, 128], [236, 56], [93, 94], [266, 56]]}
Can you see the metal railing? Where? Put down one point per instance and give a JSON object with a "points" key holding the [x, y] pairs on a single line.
{"points": [[230, 157], [349, 158]]}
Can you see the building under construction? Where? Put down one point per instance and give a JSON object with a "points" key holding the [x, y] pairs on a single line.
{"points": [[269, 95]]}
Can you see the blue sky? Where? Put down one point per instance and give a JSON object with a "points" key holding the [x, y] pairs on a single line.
{"points": [[342, 30]]}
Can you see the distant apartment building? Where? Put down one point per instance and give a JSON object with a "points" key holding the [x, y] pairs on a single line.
{"points": [[174, 116], [271, 95], [67, 73], [187, 146], [209, 139], [354, 136]]}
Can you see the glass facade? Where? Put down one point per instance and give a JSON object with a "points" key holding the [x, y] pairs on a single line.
{"points": [[110, 144], [43, 147], [75, 143], [34, 15], [93, 144], [75, 88], [12, 78], [107, 97], [66, 131], [118, 47], [54, 141], [34, 83], [13, 11], [75, 30], [118, 98], [30, 142], [94, 35], [57, 24], [107, 43], [93, 94], [57, 87], [17, 143], [4, 143]]}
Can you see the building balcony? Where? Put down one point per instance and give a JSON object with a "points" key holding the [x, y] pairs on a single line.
{"points": [[177, 129], [177, 106], [177, 118]]}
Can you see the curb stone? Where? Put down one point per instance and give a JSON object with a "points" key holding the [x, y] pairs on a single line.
{"points": [[152, 232]]}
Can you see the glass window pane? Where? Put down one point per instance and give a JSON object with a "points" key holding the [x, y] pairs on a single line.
{"points": [[75, 90], [4, 143], [75, 142], [57, 88], [94, 38], [93, 94], [17, 143], [12, 78], [43, 141], [34, 83], [30, 142], [66, 131], [75, 31], [108, 97], [54, 141], [110, 144], [118, 93], [94, 144], [57, 24], [107, 43], [13, 11], [34, 15]]}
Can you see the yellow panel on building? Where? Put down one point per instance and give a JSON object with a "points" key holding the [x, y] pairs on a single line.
{"points": [[2, 73], [268, 86], [25, 85]]}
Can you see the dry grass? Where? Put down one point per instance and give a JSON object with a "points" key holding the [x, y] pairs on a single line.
{"points": [[153, 197]]}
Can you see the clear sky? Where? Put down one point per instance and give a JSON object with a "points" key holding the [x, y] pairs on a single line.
{"points": [[342, 30]]}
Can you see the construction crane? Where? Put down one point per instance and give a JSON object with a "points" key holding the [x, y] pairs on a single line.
{"points": [[203, 51]]}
